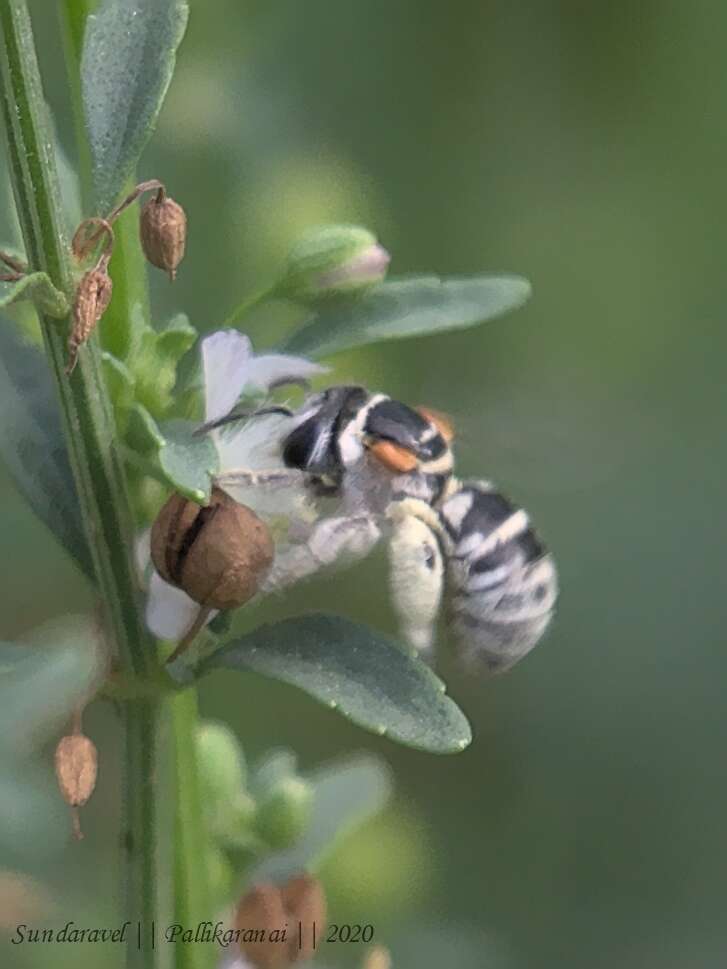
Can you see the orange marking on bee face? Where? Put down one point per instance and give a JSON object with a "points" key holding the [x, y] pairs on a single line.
{"points": [[393, 456], [442, 422]]}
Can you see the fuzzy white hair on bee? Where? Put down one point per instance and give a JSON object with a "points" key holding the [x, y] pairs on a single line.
{"points": [[338, 541]]}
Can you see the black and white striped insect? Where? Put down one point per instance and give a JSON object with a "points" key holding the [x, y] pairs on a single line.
{"points": [[463, 546], [479, 553]]}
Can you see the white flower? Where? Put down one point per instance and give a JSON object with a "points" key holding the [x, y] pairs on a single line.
{"points": [[230, 370]]}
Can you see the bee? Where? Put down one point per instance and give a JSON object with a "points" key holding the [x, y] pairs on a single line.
{"points": [[461, 545]]}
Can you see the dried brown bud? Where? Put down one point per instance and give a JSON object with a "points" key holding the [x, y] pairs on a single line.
{"points": [[261, 911], [305, 903], [163, 231], [92, 299], [298, 908], [218, 553], [76, 763]]}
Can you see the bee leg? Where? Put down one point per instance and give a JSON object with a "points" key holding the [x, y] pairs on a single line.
{"points": [[332, 541], [416, 571], [277, 477]]}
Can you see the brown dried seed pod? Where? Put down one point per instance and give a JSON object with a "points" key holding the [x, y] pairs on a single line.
{"points": [[163, 232], [261, 910], [270, 908], [305, 902], [218, 553], [76, 762], [92, 299]]}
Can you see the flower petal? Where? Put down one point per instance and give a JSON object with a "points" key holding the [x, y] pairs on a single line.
{"points": [[254, 445], [273, 369], [225, 359], [142, 555], [257, 446], [169, 611]]}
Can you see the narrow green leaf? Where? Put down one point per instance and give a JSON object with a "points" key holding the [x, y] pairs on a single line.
{"points": [[357, 671], [188, 461], [405, 308], [32, 446], [128, 60], [345, 795], [39, 290]]}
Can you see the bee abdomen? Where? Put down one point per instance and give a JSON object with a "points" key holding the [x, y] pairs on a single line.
{"points": [[502, 580]]}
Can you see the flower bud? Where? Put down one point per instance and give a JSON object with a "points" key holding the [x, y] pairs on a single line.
{"points": [[92, 299], [272, 909], [332, 261], [228, 807], [163, 232], [76, 763], [221, 762], [218, 554], [284, 812]]}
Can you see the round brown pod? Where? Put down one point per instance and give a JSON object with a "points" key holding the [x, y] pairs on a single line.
{"points": [[217, 553]]}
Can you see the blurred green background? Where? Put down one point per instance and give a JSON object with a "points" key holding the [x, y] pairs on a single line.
{"points": [[585, 147]]}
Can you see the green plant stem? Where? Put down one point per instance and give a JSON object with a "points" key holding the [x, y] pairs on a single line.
{"points": [[86, 410], [191, 889], [246, 305], [93, 451], [143, 778], [140, 846]]}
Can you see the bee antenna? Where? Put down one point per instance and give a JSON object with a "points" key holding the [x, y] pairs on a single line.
{"points": [[241, 415]]}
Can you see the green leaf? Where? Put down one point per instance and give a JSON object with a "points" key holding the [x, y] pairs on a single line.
{"points": [[39, 290], [142, 432], [407, 307], [344, 797], [357, 671], [188, 461], [32, 445], [153, 357], [43, 681], [176, 338], [128, 60], [120, 383]]}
